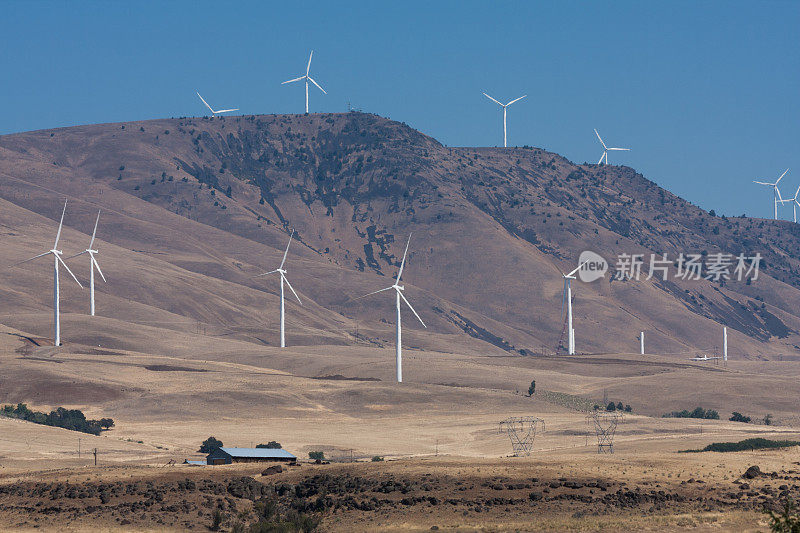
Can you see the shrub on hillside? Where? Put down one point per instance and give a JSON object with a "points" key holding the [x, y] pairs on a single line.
{"points": [[272, 445]]}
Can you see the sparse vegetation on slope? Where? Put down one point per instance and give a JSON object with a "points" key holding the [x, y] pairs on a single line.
{"points": [[747, 444]]}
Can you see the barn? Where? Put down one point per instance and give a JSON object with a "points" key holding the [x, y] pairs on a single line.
{"points": [[226, 456]]}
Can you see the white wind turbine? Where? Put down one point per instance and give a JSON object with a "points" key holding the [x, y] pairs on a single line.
{"points": [[280, 270], [217, 112], [775, 192], [398, 296], [567, 298], [606, 149], [505, 110], [795, 202], [56, 260], [307, 78], [92, 265]]}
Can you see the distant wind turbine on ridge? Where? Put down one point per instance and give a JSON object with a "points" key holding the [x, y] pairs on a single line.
{"points": [[214, 113], [505, 110], [92, 265], [56, 260], [399, 296], [795, 203], [606, 149], [775, 192], [307, 78], [280, 270]]}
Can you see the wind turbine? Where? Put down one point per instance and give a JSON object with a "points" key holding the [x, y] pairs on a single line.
{"points": [[307, 78], [92, 265], [505, 109], [213, 112], [568, 299], [606, 149], [56, 260], [775, 192], [795, 202], [398, 296], [280, 270]]}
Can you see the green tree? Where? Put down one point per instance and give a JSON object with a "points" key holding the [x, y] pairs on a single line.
{"points": [[768, 420], [317, 456], [611, 406], [210, 444], [532, 388], [739, 417]]}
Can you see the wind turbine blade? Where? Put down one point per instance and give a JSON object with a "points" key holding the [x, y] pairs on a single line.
{"points": [[600, 139], [95, 229], [266, 273], [317, 84], [226, 110], [412, 309], [493, 100], [403, 262], [579, 267], [778, 192], [31, 259], [371, 293], [294, 80], [308, 68], [60, 224], [517, 100], [782, 175], [764, 183], [563, 296], [287, 250], [290, 288], [76, 255], [601, 158], [68, 270], [95, 263], [622, 149], [798, 192], [208, 106]]}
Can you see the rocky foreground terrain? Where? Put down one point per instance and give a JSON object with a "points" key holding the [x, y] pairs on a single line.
{"points": [[411, 495]]}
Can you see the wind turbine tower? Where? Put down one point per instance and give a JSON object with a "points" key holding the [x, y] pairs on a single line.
{"points": [[398, 297], [92, 265], [725, 345], [56, 260], [308, 78], [505, 112], [568, 300], [776, 194], [280, 270]]}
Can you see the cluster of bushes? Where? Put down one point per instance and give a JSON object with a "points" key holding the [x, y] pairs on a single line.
{"points": [[698, 412], [615, 407], [739, 417], [747, 444], [72, 419], [272, 445]]}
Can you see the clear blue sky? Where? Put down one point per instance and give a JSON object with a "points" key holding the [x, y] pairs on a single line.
{"points": [[705, 93]]}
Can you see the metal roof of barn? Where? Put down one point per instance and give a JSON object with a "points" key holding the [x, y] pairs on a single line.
{"points": [[269, 453]]}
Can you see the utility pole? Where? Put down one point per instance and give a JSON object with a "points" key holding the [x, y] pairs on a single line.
{"points": [[95, 457], [79, 447]]}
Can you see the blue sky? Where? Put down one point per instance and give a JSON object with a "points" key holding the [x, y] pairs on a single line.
{"points": [[707, 94]]}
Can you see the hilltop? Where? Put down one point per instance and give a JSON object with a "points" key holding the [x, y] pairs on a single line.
{"points": [[195, 207]]}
